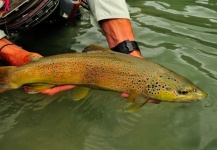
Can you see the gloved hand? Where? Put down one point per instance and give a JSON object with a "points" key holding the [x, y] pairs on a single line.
{"points": [[16, 56], [58, 89]]}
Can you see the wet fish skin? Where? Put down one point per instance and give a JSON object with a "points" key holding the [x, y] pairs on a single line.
{"points": [[107, 70]]}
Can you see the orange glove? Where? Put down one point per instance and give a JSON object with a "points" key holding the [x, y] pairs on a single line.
{"points": [[16, 56], [57, 89]]}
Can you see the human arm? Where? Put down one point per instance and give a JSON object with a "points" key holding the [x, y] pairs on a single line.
{"points": [[114, 19], [117, 31]]}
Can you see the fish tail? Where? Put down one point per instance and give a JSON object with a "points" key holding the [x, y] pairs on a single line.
{"points": [[4, 78]]}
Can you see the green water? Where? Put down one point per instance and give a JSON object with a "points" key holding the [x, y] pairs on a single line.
{"points": [[181, 35]]}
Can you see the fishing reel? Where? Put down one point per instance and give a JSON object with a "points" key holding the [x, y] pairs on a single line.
{"points": [[25, 14]]}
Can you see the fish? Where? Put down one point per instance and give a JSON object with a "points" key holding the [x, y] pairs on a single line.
{"points": [[100, 68]]}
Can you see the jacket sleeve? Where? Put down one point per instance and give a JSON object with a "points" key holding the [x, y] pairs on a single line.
{"points": [[107, 9], [2, 34]]}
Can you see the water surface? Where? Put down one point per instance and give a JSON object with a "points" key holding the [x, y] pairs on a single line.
{"points": [[181, 35]]}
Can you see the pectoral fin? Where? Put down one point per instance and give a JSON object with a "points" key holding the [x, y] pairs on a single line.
{"points": [[36, 88], [132, 97], [135, 101], [80, 92]]}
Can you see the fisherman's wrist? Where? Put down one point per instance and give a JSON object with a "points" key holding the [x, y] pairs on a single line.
{"points": [[126, 47], [4, 42]]}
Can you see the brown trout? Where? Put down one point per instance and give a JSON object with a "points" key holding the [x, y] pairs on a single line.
{"points": [[101, 68]]}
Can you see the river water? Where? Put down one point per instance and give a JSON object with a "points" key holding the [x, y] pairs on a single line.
{"points": [[181, 35]]}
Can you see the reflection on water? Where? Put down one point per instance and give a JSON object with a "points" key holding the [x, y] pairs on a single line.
{"points": [[180, 35], [198, 65]]}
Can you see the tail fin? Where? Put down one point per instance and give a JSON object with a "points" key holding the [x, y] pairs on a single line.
{"points": [[4, 72]]}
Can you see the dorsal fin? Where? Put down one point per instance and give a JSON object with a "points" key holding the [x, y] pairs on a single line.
{"points": [[95, 47]]}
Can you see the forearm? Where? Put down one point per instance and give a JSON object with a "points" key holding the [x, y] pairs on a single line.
{"points": [[117, 30], [114, 19]]}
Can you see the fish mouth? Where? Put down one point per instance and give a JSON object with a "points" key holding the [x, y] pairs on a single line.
{"points": [[200, 94]]}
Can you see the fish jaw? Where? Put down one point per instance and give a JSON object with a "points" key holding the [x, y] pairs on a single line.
{"points": [[173, 87]]}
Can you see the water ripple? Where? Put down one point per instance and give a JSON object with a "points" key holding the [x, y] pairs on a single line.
{"points": [[178, 34]]}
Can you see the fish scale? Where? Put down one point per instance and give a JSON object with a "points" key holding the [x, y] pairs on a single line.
{"points": [[106, 70]]}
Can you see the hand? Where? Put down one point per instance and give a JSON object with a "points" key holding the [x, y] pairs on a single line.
{"points": [[136, 53], [57, 89]]}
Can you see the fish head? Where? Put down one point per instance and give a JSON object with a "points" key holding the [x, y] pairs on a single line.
{"points": [[173, 87]]}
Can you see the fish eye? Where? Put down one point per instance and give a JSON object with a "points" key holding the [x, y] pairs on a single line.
{"points": [[182, 92]]}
